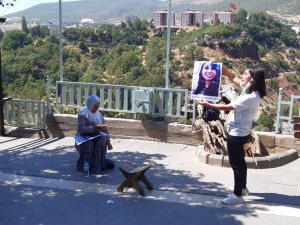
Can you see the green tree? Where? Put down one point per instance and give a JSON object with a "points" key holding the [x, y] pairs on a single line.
{"points": [[24, 25], [39, 31], [1, 34], [192, 53], [14, 39], [241, 16]]}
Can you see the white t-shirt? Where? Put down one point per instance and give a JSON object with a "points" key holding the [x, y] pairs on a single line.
{"points": [[243, 115]]}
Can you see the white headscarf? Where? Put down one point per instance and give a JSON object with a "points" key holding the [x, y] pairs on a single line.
{"points": [[86, 111]]}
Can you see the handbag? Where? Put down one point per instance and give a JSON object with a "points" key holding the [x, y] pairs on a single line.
{"points": [[210, 114]]}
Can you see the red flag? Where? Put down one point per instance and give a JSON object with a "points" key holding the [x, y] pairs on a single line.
{"points": [[233, 6]]}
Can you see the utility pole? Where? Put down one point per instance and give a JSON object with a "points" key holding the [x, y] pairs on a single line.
{"points": [[2, 129], [61, 76], [168, 46]]}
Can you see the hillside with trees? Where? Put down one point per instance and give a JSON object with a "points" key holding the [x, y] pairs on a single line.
{"points": [[134, 53], [116, 10]]}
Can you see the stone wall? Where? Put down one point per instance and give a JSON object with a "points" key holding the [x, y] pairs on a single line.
{"points": [[63, 125], [278, 143]]}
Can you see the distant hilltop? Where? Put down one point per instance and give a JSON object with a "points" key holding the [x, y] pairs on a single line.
{"points": [[100, 11]]}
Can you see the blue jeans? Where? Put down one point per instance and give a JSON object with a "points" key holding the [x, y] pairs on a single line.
{"points": [[235, 148]]}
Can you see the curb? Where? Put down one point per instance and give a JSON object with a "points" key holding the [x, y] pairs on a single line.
{"points": [[253, 163]]}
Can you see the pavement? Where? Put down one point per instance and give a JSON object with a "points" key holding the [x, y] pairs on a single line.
{"points": [[39, 185]]}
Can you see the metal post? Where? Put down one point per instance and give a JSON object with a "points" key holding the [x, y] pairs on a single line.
{"points": [[2, 130], [48, 95], [60, 44], [168, 46], [278, 128]]}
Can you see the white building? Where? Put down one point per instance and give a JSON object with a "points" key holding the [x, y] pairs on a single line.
{"points": [[224, 17], [160, 18], [54, 29], [192, 18], [86, 21], [296, 28]]}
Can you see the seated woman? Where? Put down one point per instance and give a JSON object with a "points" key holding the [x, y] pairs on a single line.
{"points": [[91, 122]]}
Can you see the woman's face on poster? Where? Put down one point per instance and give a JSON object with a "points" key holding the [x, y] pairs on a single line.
{"points": [[208, 72]]}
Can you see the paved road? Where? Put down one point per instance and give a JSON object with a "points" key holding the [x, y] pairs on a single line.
{"points": [[39, 185]]}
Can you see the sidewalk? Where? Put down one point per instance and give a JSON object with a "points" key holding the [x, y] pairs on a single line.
{"points": [[39, 184]]}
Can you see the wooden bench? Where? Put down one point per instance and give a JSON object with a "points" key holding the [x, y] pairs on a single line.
{"points": [[133, 175]]}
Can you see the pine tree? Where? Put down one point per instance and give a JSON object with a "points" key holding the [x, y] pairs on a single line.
{"points": [[24, 25]]}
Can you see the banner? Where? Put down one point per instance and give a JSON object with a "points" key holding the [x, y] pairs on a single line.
{"points": [[206, 81]]}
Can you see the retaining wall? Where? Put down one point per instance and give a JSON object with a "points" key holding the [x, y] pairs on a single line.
{"points": [[64, 125], [281, 148]]}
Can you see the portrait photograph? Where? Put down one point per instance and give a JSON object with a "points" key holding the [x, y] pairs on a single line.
{"points": [[206, 81]]}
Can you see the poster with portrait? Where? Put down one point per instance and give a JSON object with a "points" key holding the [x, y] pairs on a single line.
{"points": [[206, 81]]}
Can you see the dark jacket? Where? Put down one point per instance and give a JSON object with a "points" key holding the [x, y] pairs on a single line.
{"points": [[85, 127]]}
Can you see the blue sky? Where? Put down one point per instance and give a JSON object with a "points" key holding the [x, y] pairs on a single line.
{"points": [[23, 4]]}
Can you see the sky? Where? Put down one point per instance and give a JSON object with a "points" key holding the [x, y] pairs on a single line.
{"points": [[24, 4]]}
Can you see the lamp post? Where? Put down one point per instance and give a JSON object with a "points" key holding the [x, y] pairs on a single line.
{"points": [[61, 76], [168, 46], [2, 129]]}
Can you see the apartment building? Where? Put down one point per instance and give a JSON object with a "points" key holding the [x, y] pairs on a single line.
{"points": [[192, 18], [160, 18], [224, 17]]}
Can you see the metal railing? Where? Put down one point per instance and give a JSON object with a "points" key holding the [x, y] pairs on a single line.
{"points": [[25, 113], [125, 99], [289, 107]]}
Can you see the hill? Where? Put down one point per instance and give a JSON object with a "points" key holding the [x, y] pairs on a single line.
{"points": [[108, 11]]}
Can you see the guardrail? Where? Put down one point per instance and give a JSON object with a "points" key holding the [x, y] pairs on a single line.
{"points": [[25, 113], [169, 102], [291, 109]]}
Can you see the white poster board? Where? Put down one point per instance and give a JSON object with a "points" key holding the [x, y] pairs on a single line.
{"points": [[206, 81]]}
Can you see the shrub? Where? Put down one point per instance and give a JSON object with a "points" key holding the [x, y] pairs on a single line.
{"points": [[265, 123], [185, 121]]}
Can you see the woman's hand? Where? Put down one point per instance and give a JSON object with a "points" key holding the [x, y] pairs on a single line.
{"points": [[203, 102], [101, 127]]}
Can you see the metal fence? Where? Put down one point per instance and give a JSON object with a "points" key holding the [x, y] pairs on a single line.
{"points": [[285, 112], [25, 113], [126, 99], [170, 102]]}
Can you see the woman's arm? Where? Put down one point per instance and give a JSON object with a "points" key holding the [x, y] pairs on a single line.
{"points": [[231, 76], [83, 128], [224, 107]]}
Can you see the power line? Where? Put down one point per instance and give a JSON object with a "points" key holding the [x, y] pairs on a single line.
{"points": [[7, 5]]}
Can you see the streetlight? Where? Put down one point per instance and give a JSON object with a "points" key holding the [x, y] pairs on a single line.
{"points": [[2, 129], [61, 76], [168, 46]]}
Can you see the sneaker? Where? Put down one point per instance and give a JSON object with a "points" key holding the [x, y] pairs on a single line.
{"points": [[245, 191], [233, 200]]}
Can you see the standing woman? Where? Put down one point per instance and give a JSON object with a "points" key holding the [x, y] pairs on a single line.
{"points": [[91, 122], [244, 110]]}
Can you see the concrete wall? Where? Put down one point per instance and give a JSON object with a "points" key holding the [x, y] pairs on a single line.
{"points": [[63, 125], [278, 143]]}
